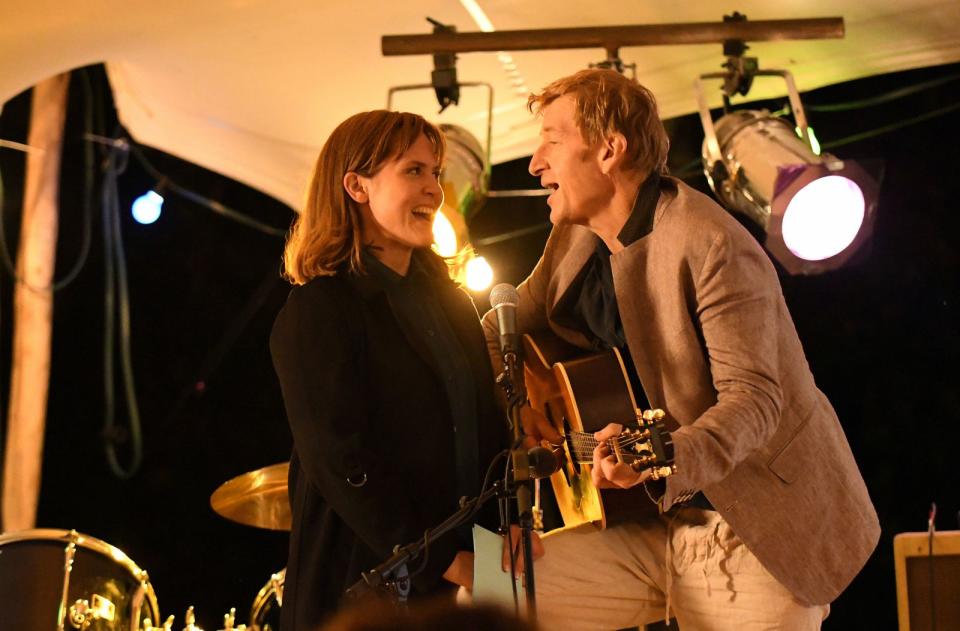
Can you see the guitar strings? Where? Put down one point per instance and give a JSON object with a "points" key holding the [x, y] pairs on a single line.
{"points": [[582, 445]]}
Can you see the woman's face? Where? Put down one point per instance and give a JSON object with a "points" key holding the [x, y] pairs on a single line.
{"points": [[402, 199]]}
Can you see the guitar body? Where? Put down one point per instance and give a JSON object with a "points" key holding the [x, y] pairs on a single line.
{"points": [[580, 391]]}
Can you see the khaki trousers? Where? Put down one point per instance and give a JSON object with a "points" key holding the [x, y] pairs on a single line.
{"points": [[626, 575]]}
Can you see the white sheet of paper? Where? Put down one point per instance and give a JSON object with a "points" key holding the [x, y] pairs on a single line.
{"points": [[490, 583]]}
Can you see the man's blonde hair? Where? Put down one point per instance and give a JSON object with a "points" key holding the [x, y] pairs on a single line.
{"points": [[327, 234], [608, 102]]}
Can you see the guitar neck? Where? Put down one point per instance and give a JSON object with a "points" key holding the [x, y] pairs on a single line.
{"points": [[582, 444]]}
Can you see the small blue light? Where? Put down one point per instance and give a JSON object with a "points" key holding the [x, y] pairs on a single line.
{"points": [[146, 208]]}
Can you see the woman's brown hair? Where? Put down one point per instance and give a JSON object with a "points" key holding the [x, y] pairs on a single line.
{"points": [[327, 233]]}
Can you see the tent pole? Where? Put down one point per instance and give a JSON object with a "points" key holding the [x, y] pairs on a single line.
{"points": [[33, 307]]}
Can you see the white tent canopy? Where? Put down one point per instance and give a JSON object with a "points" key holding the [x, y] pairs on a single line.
{"points": [[251, 88]]}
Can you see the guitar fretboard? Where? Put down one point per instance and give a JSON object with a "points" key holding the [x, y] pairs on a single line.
{"points": [[582, 444]]}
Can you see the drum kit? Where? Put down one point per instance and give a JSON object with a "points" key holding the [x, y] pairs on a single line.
{"points": [[63, 580]]}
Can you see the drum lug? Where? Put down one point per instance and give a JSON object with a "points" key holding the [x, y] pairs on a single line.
{"points": [[83, 614], [148, 625], [229, 619]]}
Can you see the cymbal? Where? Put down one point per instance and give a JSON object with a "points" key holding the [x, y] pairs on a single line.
{"points": [[258, 498]]}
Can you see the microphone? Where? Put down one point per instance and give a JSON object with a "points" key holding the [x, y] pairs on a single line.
{"points": [[543, 462], [504, 299]]}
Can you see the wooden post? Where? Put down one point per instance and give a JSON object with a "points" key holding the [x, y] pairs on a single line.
{"points": [[33, 307]]}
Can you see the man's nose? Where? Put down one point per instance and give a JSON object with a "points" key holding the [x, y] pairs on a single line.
{"points": [[537, 164]]}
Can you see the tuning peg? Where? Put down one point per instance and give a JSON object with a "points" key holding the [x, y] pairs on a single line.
{"points": [[651, 415]]}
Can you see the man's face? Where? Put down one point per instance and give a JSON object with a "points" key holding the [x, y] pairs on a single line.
{"points": [[565, 163]]}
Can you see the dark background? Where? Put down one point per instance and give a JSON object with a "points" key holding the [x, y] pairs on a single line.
{"points": [[882, 336]]}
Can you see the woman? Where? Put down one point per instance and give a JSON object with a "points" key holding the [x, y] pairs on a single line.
{"points": [[384, 371]]}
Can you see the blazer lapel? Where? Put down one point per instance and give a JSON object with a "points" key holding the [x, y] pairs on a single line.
{"points": [[636, 313], [632, 274]]}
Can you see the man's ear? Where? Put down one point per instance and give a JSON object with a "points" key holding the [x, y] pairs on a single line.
{"points": [[613, 152], [355, 188]]}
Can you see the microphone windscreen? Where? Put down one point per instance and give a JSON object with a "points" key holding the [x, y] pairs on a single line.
{"points": [[543, 462], [504, 294]]}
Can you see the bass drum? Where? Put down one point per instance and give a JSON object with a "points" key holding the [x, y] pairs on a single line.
{"points": [[61, 579], [265, 612]]}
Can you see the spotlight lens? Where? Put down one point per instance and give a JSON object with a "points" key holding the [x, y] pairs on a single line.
{"points": [[479, 274], [823, 218], [146, 208]]}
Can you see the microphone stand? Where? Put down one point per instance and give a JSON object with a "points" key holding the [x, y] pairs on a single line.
{"points": [[522, 480], [387, 579]]}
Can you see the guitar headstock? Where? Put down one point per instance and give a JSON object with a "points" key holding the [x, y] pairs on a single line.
{"points": [[647, 445]]}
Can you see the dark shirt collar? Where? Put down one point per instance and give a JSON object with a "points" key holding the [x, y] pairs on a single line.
{"points": [[640, 222], [377, 277], [386, 276]]}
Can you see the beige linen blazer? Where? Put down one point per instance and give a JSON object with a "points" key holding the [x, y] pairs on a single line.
{"points": [[715, 347]]}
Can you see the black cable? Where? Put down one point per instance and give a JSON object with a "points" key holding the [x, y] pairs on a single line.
{"points": [[866, 135], [116, 286], [509, 535], [206, 202], [889, 128], [452, 522], [211, 361], [513, 234], [882, 98], [87, 201]]}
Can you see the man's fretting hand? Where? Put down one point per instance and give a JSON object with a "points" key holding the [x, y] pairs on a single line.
{"points": [[607, 473]]}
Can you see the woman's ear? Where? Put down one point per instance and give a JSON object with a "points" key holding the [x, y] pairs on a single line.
{"points": [[613, 152], [355, 188]]}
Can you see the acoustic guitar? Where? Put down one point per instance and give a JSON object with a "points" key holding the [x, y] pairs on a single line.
{"points": [[581, 392]]}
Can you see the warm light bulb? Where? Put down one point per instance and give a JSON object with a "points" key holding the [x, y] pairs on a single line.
{"points": [[444, 236], [823, 218], [146, 208], [479, 274]]}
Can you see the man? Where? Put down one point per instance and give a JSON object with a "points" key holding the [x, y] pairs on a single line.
{"points": [[767, 518]]}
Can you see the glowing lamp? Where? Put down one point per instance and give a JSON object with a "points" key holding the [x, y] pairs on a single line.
{"points": [[816, 210], [146, 209], [479, 274]]}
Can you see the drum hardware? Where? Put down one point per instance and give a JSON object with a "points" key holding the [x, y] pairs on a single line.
{"points": [[83, 613], [257, 498], [43, 571], [148, 625], [68, 553], [228, 620], [190, 620], [263, 609]]}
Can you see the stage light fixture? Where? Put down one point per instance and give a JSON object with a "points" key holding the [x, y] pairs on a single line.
{"points": [[816, 210], [464, 182]]}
